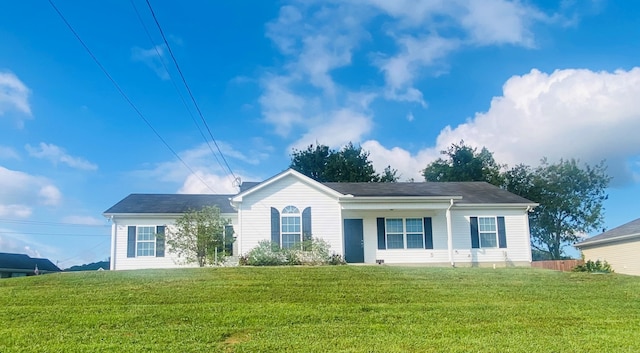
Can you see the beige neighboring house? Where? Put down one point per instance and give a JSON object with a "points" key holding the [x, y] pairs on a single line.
{"points": [[619, 246]]}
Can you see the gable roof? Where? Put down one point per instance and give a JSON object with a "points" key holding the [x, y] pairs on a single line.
{"points": [[471, 192], [27, 264], [170, 203], [626, 230], [251, 187]]}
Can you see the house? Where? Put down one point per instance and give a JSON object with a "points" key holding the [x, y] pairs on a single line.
{"points": [[20, 265], [429, 223], [619, 246]]}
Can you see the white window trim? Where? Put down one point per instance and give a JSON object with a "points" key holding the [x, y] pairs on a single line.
{"points": [[284, 215], [154, 229], [404, 233], [497, 241]]}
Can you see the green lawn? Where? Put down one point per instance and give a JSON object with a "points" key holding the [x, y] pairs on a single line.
{"points": [[320, 309]]}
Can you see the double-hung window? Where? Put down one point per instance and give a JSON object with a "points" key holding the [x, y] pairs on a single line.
{"points": [[488, 232], [145, 241], [401, 231], [291, 227]]}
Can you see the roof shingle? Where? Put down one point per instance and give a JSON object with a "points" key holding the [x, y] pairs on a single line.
{"points": [[170, 203], [630, 228]]}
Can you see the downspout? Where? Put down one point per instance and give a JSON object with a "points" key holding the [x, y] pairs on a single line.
{"points": [[114, 229], [526, 219], [450, 234]]}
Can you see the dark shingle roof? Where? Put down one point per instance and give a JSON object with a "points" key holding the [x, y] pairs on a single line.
{"points": [[170, 203], [246, 185], [630, 228], [26, 263], [471, 192]]}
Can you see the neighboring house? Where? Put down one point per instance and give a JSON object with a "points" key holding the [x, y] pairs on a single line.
{"points": [[432, 223], [20, 265], [619, 247]]}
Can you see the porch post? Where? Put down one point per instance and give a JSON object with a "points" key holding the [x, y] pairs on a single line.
{"points": [[449, 234]]}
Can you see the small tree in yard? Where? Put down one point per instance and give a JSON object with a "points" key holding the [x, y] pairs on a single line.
{"points": [[198, 236]]}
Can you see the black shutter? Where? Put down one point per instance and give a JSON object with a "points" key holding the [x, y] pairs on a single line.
{"points": [[381, 243], [306, 228], [428, 233], [502, 233], [131, 241], [475, 236], [160, 240], [275, 226], [228, 239]]}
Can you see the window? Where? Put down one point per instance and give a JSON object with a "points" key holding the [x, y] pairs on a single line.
{"points": [[399, 230], [488, 232], [146, 241], [291, 227]]}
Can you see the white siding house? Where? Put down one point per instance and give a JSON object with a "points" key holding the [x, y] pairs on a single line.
{"points": [[440, 224], [619, 246]]}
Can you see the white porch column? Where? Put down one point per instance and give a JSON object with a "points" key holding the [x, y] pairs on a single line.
{"points": [[449, 234]]}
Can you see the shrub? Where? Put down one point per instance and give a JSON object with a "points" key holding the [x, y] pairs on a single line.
{"points": [[594, 267], [310, 252]]}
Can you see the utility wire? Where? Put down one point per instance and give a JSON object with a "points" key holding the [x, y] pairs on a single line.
{"points": [[125, 96], [204, 121], [59, 234], [175, 86], [39, 223]]}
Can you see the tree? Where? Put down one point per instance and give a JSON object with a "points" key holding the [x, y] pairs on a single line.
{"points": [[199, 236], [464, 163], [570, 197], [350, 164]]}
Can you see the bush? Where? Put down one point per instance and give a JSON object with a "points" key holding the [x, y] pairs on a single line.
{"points": [[310, 252], [594, 267]]}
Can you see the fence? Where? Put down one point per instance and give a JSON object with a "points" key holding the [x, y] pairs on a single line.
{"points": [[558, 265]]}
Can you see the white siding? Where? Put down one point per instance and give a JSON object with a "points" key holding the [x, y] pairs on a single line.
{"points": [[518, 249], [120, 261], [622, 256], [255, 212], [418, 256]]}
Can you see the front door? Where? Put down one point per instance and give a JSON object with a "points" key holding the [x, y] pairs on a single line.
{"points": [[353, 241]]}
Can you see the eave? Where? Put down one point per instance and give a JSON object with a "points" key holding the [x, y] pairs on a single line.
{"points": [[589, 243]]}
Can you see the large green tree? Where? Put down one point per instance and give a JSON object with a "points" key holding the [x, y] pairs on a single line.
{"points": [[199, 236], [464, 163], [571, 201], [350, 164]]}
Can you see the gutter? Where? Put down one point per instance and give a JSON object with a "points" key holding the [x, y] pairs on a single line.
{"points": [[588, 243]]}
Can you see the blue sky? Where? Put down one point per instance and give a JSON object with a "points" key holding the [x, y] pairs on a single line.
{"points": [[405, 79]]}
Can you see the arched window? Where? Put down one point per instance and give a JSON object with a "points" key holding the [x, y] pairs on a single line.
{"points": [[291, 227]]}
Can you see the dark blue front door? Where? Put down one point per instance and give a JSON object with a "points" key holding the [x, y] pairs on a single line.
{"points": [[353, 241]]}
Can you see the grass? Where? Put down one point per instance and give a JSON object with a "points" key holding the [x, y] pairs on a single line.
{"points": [[320, 309]]}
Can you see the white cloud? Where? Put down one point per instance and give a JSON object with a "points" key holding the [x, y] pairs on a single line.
{"points": [[410, 117], [566, 114], [194, 184], [14, 95], [204, 166], [409, 166], [84, 220], [15, 211], [152, 58], [56, 154], [336, 129], [8, 153], [20, 192], [318, 37]]}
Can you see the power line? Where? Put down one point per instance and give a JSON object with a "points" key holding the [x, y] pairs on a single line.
{"points": [[204, 121], [58, 234], [125, 96], [175, 86], [40, 223]]}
